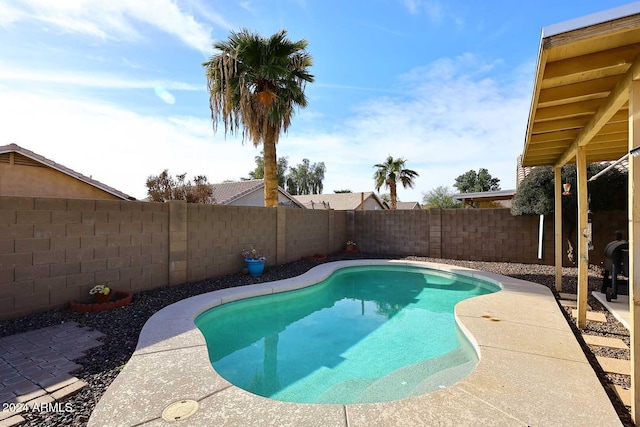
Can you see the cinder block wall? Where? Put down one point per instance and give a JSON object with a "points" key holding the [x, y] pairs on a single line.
{"points": [[218, 234], [340, 235], [495, 235], [466, 234], [55, 250], [309, 232], [474, 234], [402, 232], [604, 226]]}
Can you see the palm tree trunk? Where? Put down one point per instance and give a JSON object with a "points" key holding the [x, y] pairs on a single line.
{"points": [[270, 169], [392, 190]]}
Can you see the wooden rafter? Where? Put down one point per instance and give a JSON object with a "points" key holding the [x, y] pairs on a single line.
{"points": [[616, 99]]}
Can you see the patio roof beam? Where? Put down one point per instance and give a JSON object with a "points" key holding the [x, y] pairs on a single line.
{"points": [[614, 102]]}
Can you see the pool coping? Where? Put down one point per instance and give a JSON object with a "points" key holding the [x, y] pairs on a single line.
{"points": [[532, 370]]}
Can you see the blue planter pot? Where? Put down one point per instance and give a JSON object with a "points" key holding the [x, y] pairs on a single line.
{"points": [[255, 267]]}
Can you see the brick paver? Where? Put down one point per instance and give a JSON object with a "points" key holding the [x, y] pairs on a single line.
{"points": [[615, 366], [12, 421], [35, 366], [570, 297], [593, 316], [624, 394], [604, 341], [571, 304]]}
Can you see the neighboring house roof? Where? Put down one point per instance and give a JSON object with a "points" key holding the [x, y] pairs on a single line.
{"points": [[485, 196], [14, 148], [227, 192], [338, 201], [408, 205]]}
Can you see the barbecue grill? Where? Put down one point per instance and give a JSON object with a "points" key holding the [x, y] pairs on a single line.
{"points": [[616, 262]]}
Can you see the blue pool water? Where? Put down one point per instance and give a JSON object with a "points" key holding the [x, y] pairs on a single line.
{"points": [[365, 334]]}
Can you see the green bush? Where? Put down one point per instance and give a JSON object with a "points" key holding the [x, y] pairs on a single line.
{"points": [[535, 193]]}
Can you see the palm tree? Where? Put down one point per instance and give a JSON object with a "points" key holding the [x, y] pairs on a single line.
{"points": [[254, 84], [389, 173]]}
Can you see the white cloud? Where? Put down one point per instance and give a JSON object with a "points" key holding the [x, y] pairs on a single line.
{"points": [[454, 119], [202, 9], [113, 19], [9, 14], [413, 6], [435, 11], [248, 7], [451, 118], [15, 73], [118, 147]]}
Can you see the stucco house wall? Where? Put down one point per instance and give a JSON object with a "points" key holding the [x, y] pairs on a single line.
{"points": [[370, 204], [256, 198], [42, 181], [24, 173]]}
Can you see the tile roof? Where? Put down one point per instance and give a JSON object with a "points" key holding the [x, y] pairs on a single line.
{"points": [[407, 205], [63, 169], [338, 201], [225, 193]]}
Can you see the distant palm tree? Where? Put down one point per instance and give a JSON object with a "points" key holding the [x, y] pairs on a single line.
{"points": [[254, 84], [389, 173]]}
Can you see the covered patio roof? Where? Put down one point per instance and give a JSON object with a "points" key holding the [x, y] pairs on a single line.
{"points": [[580, 98], [585, 108]]}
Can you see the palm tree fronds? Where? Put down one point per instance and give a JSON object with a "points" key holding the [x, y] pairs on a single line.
{"points": [[389, 172], [255, 84]]}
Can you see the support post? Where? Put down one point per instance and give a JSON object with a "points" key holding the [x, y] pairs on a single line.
{"points": [[435, 232], [634, 247], [281, 235], [583, 254], [558, 225], [178, 273]]}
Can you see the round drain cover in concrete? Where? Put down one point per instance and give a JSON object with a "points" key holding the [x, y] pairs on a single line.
{"points": [[180, 410]]}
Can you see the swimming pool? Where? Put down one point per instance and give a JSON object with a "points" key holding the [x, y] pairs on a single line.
{"points": [[531, 371], [365, 334]]}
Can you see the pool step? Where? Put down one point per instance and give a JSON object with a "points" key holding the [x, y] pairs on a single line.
{"points": [[401, 382], [436, 381], [346, 391]]}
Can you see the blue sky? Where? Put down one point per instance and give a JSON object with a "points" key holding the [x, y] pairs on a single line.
{"points": [[115, 89]]}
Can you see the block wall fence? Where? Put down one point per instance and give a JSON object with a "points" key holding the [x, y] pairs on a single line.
{"points": [[53, 251], [475, 234]]}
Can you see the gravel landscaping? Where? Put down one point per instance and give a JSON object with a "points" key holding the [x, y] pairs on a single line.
{"points": [[122, 327]]}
